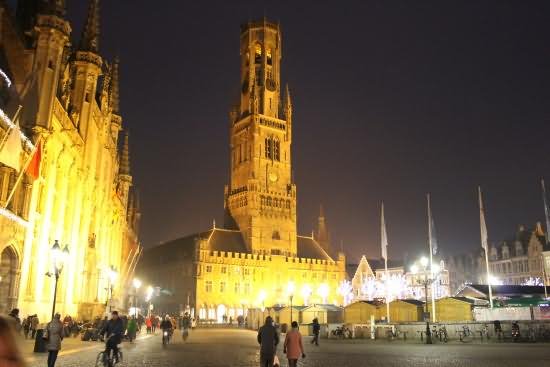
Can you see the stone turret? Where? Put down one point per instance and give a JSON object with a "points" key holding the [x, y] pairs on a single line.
{"points": [[51, 35], [87, 69]]}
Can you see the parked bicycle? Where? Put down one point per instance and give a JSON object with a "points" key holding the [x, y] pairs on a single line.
{"points": [[465, 334]]}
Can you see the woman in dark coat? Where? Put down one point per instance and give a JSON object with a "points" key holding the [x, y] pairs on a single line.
{"points": [[54, 336]]}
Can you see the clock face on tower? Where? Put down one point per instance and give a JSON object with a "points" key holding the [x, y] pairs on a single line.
{"points": [[273, 177]]}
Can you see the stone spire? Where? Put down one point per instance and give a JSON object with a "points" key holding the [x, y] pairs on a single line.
{"points": [[90, 33], [288, 101], [125, 158], [115, 99], [322, 231]]}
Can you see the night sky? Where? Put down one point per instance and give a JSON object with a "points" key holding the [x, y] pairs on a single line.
{"points": [[392, 99]]}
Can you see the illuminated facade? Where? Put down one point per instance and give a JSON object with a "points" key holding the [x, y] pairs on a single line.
{"points": [[82, 197], [368, 281], [257, 259]]}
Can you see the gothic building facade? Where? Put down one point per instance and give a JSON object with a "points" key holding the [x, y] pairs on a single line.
{"points": [[82, 194], [257, 259]]}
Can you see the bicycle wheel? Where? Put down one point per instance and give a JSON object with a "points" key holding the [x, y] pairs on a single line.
{"points": [[100, 359]]}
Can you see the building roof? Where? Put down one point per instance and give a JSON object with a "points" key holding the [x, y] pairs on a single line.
{"points": [[310, 249], [503, 290], [227, 240], [326, 307], [411, 301], [378, 264]]}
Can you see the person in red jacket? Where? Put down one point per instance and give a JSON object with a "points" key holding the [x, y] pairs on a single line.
{"points": [[294, 348]]}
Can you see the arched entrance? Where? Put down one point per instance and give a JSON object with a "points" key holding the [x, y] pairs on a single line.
{"points": [[8, 274]]}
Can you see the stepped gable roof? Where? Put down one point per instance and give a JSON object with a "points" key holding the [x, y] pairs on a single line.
{"points": [[310, 249]]}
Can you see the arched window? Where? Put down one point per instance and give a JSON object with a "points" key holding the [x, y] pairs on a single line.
{"points": [[268, 57], [262, 200], [258, 54], [288, 204], [269, 200], [276, 235]]}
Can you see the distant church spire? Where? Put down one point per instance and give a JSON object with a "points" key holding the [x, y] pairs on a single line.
{"points": [[90, 33], [125, 158], [322, 231], [114, 95]]}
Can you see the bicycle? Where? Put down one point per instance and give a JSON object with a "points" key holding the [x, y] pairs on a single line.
{"points": [[465, 335], [108, 360]]}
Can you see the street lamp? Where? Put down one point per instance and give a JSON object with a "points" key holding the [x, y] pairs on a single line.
{"points": [[58, 257], [137, 284], [113, 275], [429, 276], [290, 290], [148, 296]]}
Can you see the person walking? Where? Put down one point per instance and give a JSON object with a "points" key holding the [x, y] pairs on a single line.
{"points": [[132, 329], [268, 338], [316, 331], [148, 325], [293, 347], [53, 336], [26, 326], [14, 315], [34, 325]]}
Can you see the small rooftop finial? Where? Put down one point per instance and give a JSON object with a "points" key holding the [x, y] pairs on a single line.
{"points": [[54, 7], [321, 211], [214, 223], [114, 88], [125, 157], [90, 33]]}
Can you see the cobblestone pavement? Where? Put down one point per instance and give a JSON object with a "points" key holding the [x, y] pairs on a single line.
{"points": [[228, 348]]}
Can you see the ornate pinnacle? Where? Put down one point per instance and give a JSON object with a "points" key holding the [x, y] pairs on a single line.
{"points": [[114, 92], [90, 33], [125, 158]]}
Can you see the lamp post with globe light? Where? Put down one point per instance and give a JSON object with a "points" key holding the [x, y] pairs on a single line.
{"points": [[290, 290], [113, 275], [148, 297], [429, 276], [137, 285], [59, 257]]}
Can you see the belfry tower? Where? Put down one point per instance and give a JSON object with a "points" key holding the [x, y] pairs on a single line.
{"points": [[261, 197]]}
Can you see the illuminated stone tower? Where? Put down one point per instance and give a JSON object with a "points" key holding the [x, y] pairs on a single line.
{"points": [[261, 197]]}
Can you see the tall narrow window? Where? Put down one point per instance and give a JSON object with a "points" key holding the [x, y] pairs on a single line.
{"points": [[268, 147], [258, 54], [277, 150], [268, 57]]}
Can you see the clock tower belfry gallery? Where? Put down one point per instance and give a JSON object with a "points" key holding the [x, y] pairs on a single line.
{"points": [[257, 259]]}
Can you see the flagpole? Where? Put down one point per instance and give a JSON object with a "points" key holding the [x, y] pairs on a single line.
{"points": [[484, 244], [20, 177], [431, 255], [384, 238], [547, 217]]}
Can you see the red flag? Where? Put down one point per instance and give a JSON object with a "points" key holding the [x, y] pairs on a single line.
{"points": [[33, 169]]}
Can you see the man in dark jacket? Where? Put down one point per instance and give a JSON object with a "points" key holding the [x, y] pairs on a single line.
{"points": [[114, 330], [316, 331], [268, 340]]}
